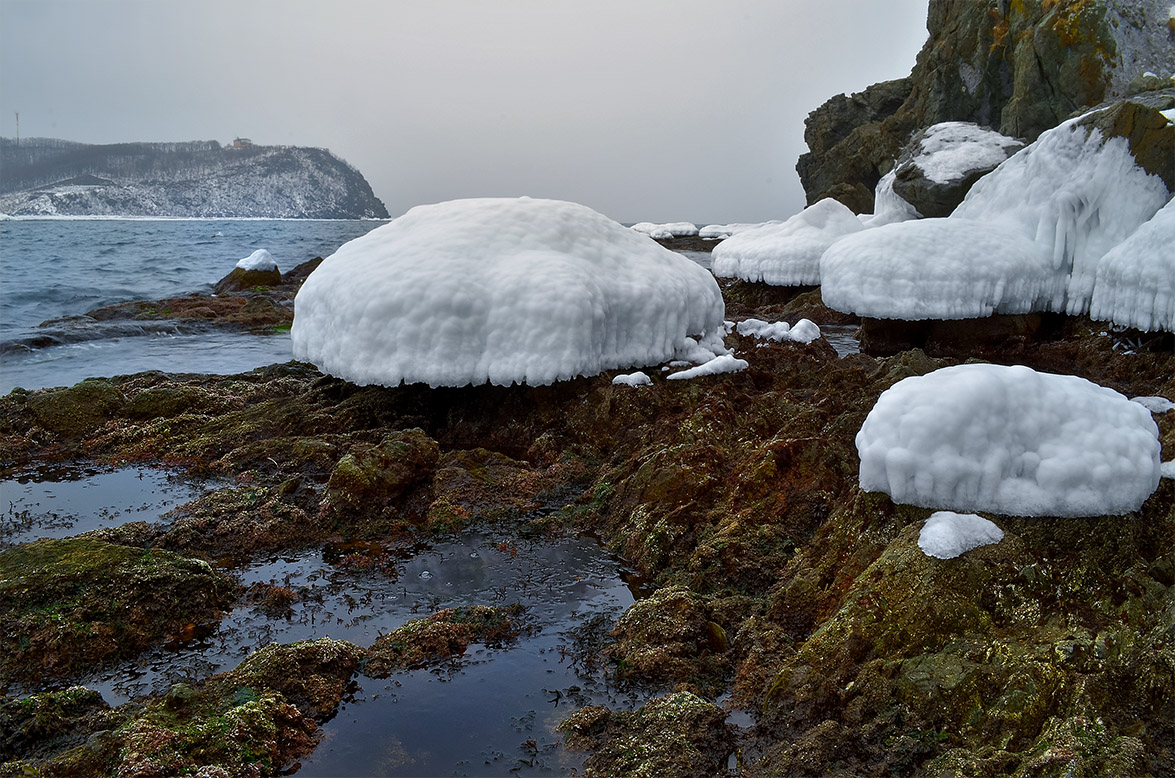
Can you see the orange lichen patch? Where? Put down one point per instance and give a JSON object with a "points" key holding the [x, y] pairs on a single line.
{"points": [[999, 29]]}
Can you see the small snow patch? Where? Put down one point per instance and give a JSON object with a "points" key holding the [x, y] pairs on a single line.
{"points": [[1167, 469], [632, 379], [804, 330], [1155, 404], [258, 260], [716, 366], [946, 535]]}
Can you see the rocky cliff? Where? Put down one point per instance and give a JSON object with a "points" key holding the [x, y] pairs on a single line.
{"points": [[1016, 66], [43, 177]]}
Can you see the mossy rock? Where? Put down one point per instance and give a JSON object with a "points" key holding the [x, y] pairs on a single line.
{"points": [[251, 721], [74, 604], [440, 637], [676, 736], [671, 636], [50, 721], [241, 280], [372, 482], [77, 409]]}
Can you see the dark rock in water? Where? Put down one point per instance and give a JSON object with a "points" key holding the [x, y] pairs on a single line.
{"points": [[441, 636], [1139, 120], [241, 280], [958, 337], [933, 198], [1020, 68]]}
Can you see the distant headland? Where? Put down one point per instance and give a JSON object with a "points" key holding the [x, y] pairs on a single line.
{"points": [[196, 179]]}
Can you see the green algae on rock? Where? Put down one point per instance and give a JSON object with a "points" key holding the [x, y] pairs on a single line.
{"points": [[441, 636], [251, 721], [75, 604], [676, 736]]}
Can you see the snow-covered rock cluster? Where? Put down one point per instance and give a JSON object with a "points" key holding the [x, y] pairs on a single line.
{"points": [[1062, 221], [1009, 440], [804, 331], [503, 290]]}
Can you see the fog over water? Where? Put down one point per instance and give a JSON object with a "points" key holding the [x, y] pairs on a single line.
{"points": [[651, 110]]}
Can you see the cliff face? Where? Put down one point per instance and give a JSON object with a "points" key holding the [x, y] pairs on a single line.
{"points": [[42, 177], [1016, 66]]}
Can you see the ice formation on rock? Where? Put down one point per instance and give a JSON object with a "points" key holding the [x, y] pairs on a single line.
{"points": [[1053, 209], [1154, 404], [888, 205], [785, 254], [1074, 192], [719, 231], [1135, 281], [804, 330], [939, 269], [503, 290], [946, 535], [1009, 440], [258, 260], [724, 363]]}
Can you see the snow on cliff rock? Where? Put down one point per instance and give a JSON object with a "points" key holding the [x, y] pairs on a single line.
{"points": [[950, 150], [258, 260], [1009, 440], [502, 290], [1027, 237], [1135, 281], [946, 535], [786, 254], [1074, 192]]}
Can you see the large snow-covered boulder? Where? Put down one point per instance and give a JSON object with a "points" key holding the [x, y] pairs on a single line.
{"points": [[1074, 191], [785, 254], [501, 290], [1135, 282], [939, 269], [941, 163], [1009, 440]]}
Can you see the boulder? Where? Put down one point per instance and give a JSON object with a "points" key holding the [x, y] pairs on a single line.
{"points": [[241, 280], [940, 164]]}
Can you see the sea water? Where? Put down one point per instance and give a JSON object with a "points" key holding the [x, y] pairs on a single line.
{"points": [[53, 268]]}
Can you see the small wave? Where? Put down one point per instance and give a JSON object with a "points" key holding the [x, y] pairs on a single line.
{"points": [[81, 329]]}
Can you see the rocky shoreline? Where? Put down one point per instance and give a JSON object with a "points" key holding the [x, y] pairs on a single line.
{"points": [[778, 583]]}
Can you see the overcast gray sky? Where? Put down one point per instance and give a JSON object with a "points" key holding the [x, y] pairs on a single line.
{"points": [[643, 109]]}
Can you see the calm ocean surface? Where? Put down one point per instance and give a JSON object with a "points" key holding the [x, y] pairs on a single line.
{"points": [[55, 268]]}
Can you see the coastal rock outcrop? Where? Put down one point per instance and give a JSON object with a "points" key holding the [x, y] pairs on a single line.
{"points": [[1019, 67]]}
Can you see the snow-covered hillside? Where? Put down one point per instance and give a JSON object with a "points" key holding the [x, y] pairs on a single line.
{"points": [[43, 177]]}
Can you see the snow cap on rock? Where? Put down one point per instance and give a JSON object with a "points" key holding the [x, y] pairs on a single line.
{"points": [[1009, 440], [939, 269], [502, 290], [258, 260], [786, 254], [946, 534]]}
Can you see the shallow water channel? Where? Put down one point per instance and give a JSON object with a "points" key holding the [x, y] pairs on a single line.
{"points": [[490, 712]]}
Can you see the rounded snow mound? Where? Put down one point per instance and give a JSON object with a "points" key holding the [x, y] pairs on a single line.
{"points": [[258, 260], [501, 290], [944, 268], [1009, 440], [946, 535], [1135, 283], [786, 254]]}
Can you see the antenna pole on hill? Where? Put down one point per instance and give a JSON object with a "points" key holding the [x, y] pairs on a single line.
{"points": [[17, 127]]}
